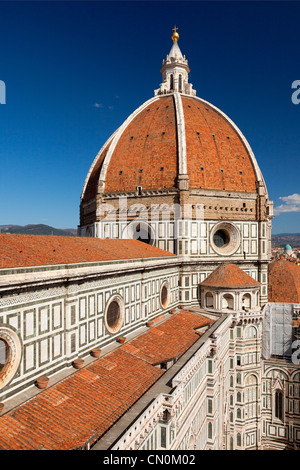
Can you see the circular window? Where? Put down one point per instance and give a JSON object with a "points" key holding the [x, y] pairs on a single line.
{"points": [[221, 238], [140, 230], [114, 314], [4, 356], [10, 355], [165, 294], [225, 238]]}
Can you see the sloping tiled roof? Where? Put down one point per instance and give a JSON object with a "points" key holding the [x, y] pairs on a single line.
{"points": [[162, 342], [284, 282], [84, 405], [229, 275], [37, 250]]}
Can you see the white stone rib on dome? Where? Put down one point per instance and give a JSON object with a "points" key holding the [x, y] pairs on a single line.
{"points": [[181, 135], [113, 140], [117, 136], [94, 163]]}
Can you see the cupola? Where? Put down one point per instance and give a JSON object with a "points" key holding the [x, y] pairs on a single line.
{"points": [[175, 71]]}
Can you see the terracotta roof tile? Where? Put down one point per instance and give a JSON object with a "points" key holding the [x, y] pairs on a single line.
{"points": [[229, 275], [213, 145], [37, 250], [84, 405], [147, 144], [284, 282], [149, 345], [147, 151]]}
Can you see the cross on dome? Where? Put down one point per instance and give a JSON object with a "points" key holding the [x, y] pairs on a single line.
{"points": [[175, 35], [175, 71]]}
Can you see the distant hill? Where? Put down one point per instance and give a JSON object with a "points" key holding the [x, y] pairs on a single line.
{"points": [[282, 239], [39, 229], [278, 241]]}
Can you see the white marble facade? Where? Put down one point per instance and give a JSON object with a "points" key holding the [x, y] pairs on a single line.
{"points": [[61, 320]]}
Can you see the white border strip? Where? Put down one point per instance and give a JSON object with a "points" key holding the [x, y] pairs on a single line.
{"points": [[182, 161], [117, 136]]}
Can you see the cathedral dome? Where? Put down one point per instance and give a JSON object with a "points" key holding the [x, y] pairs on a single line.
{"points": [[175, 135]]}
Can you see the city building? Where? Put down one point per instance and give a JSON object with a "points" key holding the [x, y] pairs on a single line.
{"points": [[163, 325]]}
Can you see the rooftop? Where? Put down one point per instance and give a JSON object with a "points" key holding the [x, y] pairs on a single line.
{"points": [[284, 281], [41, 250], [84, 406], [229, 275], [216, 156]]}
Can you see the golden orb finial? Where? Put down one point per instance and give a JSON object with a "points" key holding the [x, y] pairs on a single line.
{"points": [[175, 35]]}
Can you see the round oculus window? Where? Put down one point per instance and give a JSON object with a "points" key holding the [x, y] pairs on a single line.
{"points": [[165, 294], [225, 238], [114, 314], [10, 355], [141, 231], [221, 238], [4, 356]]}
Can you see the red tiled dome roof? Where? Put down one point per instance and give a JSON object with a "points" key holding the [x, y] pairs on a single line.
{"points": [[147, 150], [229, 275], [284, 282]]}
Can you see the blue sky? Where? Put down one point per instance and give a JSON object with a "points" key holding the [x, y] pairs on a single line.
{"points": [[59, 59]]}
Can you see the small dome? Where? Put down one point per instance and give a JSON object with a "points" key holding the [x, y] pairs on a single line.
{"points": [[284, 282], [229, 276], [287, 247]]}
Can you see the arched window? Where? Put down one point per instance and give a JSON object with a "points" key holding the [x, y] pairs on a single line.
{"points": [[166, 416], [278, 404], [209, 430], [246, 301], [251, 332], [209, 300], [171, 82], [227, 302], [238, 397], [251, 396], [238, 413], [180, 82], [238, 378], [238, 440]]}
